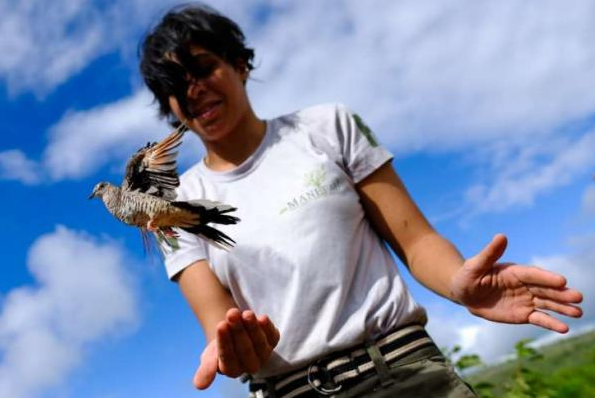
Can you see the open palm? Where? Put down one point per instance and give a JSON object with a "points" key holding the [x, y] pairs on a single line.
{"points": [[512, 293]]}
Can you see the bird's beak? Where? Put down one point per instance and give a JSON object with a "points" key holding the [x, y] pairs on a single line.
{"points": [[92, 195]]}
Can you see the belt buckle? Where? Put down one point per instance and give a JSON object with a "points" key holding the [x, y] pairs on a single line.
{"points": [[321, 389]]}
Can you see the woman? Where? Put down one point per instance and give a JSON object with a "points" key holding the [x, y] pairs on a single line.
{"points": [[317, 197]]}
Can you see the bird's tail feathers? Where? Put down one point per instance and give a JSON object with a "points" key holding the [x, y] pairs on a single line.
{"points": [[210, 212], [212, 235]]}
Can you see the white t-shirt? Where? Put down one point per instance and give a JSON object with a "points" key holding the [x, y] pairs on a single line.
{"points": [[306, 255]]}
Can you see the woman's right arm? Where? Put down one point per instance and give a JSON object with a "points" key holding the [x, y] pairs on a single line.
{"points": [[207, 297], [237, 342]]}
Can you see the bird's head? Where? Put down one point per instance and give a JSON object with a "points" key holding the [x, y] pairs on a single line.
{"points": [[99, 190]]}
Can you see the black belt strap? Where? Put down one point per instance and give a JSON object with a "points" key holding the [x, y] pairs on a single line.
{"points": [[328, 374]]}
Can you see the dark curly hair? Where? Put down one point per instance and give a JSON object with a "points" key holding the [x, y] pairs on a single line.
{"points": [[181, 27]]}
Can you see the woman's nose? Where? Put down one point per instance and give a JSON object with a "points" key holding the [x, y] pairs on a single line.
{"points": [[196, 87]]}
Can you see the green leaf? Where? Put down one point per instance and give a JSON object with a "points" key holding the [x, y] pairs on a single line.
{"points": [[468, 361]]}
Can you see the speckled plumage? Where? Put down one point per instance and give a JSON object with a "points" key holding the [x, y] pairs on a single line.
{"points": [[146, 198]]}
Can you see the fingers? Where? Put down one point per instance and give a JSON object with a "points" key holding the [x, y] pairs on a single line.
{"points": [[270, 330], [244, 342], [561, 295], [261, 346], [564, 309], [554, 299], [495, 249], [486, 258], [538, 276], [206, 372], [546, 284], [228, 360], [546, 321]]}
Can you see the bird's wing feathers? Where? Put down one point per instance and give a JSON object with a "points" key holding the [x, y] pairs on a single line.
{"points": [[152, 169]]}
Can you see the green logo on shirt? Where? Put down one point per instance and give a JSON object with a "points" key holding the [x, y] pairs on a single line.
{"points": [[365, 130], [315, 180]]}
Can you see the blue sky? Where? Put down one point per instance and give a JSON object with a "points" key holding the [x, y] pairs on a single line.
{"points": [[489, 108]]}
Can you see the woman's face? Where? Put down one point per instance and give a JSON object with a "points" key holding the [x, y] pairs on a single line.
{"points": [[217, 102]]}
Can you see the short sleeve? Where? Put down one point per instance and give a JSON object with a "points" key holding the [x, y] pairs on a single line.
{"points": [[181, 251], [360, 150], [185, 248]]}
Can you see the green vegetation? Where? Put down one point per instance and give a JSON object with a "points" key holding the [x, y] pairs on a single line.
{"points": [[560, 370]]}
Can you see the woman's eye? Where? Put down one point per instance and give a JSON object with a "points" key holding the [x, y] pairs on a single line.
{"points": [[203, 67], [205, 70]]}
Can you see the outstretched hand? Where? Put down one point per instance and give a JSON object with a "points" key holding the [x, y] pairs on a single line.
{"points": [[243, 344], [513, 293]]}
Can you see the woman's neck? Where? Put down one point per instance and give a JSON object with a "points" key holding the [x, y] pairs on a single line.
{"points": [[238, 146]]}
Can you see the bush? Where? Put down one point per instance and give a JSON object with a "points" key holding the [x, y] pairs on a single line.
{"points": [[563, 370]]}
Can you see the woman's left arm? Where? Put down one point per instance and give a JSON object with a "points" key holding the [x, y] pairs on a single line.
{"points": [[501, 292]]}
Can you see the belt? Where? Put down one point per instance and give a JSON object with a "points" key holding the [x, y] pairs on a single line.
{"points": [[327, 375]]}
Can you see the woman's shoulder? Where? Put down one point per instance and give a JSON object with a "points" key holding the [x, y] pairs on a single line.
{"points": [[320, 111], [319, 127], [317, 119]]}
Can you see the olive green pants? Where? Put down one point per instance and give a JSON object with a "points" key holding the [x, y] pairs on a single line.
{"points": [[422, 374]]}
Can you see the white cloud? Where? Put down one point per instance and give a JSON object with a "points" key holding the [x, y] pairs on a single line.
{"points": [[455, 75], [14, 165], [84, 141], [82, 294], [45, 43], [522, 175], [438, 75], [450, 326], [491, 341]]}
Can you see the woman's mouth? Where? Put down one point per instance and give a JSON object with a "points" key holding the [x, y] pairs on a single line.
{"points": [[207, 111]]}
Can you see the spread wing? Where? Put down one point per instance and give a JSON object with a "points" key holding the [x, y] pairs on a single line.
{"points": [[152, 169]]}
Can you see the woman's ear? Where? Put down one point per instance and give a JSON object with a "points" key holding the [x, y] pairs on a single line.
{"points": [[243, 70]]}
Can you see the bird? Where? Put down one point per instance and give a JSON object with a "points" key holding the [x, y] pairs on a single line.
{"points": [[147, 198]]}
